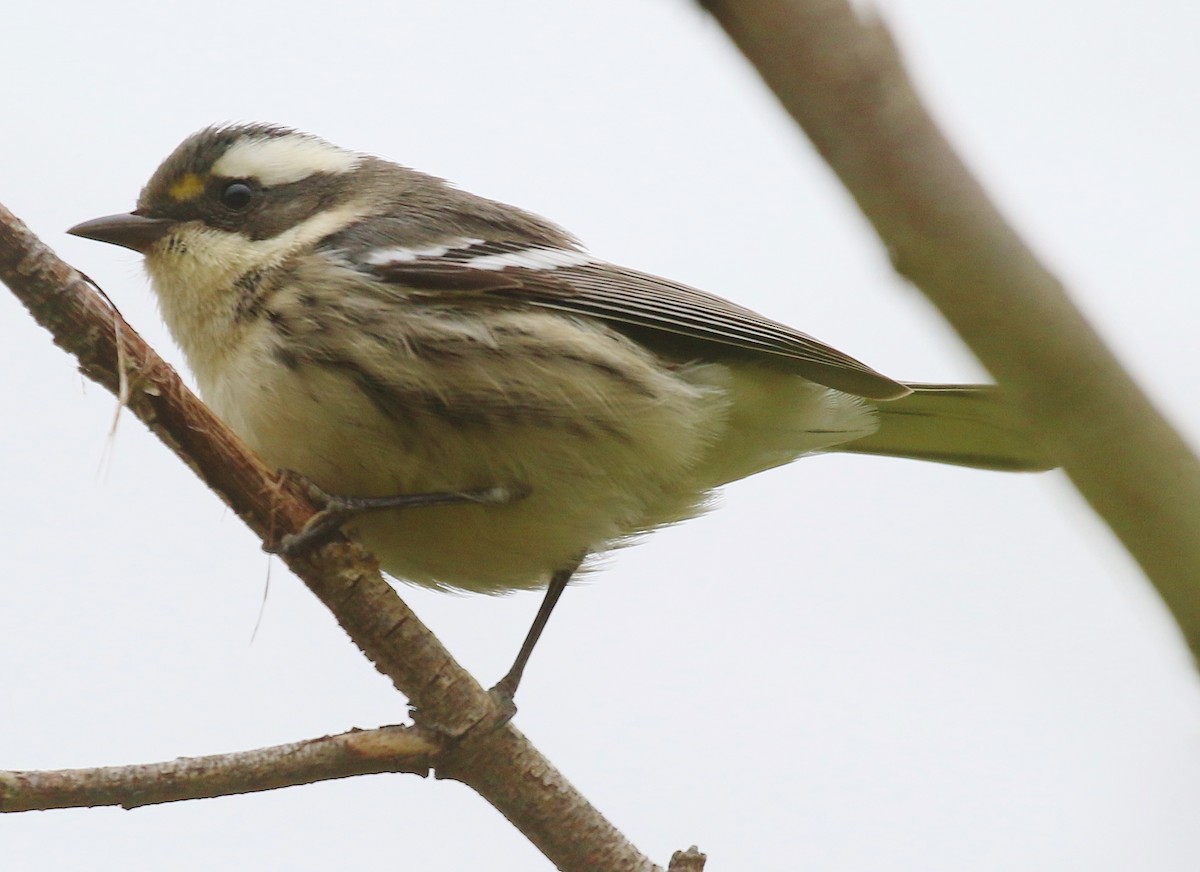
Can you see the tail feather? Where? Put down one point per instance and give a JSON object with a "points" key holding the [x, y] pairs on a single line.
{"points": [[967, 425]]}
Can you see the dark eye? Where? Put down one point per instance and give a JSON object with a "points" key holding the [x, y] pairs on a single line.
{"points": [[237, 196]]}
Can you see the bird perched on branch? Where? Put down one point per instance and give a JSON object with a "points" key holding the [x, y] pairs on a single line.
{"points": [[493, 403]]}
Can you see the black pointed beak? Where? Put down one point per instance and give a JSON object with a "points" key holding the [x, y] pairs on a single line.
{"points": [[128, 230]]}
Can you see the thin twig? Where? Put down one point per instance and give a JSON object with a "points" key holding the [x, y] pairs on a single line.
{"points": [[359, 752]]}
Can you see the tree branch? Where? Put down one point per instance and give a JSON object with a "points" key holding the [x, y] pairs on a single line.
{"points": [[498, 763], [358, 752], [690, 860], [841, 78]]}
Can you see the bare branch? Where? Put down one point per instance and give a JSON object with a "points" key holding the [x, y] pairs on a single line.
{"points": [[690, 860], [498, 763], [359, 752], [841, 78]]}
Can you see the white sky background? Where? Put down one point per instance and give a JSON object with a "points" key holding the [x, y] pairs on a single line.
{"points": [[853, 664]]}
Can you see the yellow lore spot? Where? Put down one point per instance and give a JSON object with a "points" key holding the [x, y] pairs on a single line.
{"points": [[189, 187]]}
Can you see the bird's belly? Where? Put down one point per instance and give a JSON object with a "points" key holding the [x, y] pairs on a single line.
{"points": [[487, 549], [591, 476], [605, 439]]}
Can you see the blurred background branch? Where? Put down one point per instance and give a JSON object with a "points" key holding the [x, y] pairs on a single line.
{"points": [[839, 75]]}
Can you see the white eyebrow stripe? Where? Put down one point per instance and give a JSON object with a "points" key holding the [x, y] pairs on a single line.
{"points": [[408, 255], [530, 258], [281, 160]]}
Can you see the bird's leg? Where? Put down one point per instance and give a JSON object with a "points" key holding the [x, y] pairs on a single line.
{"points": [[337, 510], [506, 688]]}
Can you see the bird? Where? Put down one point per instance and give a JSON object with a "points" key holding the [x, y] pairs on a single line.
{"points": [[492, 404]]}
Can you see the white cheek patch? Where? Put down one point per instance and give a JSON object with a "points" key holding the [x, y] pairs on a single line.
{"points": [[280, 160], [530, 258]]}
